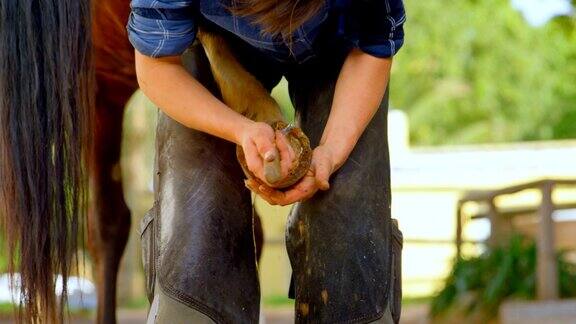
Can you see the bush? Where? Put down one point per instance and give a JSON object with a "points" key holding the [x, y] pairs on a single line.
{"points": [[483, 282]]}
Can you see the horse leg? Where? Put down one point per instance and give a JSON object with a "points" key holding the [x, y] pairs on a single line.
{"points": [[109, 222], [240, 90]]}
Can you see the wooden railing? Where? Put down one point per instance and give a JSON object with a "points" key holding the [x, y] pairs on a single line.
{"points": [[501, 225]]}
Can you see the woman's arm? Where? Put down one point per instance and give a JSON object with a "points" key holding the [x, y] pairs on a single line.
{"points": [[184, 99], [359, 91]]}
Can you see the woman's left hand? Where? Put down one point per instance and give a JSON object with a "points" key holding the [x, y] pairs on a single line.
{"points": [[322, 166]]}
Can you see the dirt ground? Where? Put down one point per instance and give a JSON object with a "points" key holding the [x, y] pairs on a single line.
{"points": [[415, 314]]}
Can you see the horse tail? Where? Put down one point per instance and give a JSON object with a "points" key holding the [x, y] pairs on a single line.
{"points": [[46, 100]]}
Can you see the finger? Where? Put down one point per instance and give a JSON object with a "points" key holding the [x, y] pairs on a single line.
{"points": [[270, 194], [298, 195], [251, 185], [278, 196], [266, 189], [286, 151], [268, 199], [254, 187], [302, 191], [266, 147], [253, 160], [322, 171], [272, 171]]}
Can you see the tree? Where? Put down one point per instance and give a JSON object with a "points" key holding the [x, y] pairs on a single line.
{"points": [[474, 71]]}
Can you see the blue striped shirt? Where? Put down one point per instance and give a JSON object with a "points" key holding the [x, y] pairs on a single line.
{"points": [[167, 27]]}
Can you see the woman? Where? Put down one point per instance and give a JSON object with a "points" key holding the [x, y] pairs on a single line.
{"points": [[344, 249]]}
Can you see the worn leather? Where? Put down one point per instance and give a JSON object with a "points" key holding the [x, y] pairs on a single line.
{"points": [[206, 254], [339, 242]]}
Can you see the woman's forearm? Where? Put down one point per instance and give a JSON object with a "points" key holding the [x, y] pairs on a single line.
{"points": [[359, 90], [183, 98], [358, 94]]}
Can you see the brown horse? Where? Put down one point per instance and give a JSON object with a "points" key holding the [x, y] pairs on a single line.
{"points": [[66, 72]]}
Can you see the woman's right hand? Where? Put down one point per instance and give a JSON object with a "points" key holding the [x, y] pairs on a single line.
{"points": [[259, 143]]}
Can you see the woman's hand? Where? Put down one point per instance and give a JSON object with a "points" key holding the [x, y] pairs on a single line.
{"points": [[322, 166], [262, 144]]}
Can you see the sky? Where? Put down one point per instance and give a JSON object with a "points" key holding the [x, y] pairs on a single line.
{"points": [[539, 12]]}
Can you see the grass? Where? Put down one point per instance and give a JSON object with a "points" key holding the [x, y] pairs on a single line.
{"points": [[409, 301], [3, 256], [281, 301], [274, 301], [6, 309], [136, 303], [278, 301]]}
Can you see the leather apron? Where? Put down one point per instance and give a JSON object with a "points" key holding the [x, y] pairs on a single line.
{"points": [[342, 243]]}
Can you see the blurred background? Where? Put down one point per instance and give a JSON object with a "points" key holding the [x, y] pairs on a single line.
{"points": [[482, 133]]}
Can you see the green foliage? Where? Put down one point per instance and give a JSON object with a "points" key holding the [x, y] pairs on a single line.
{"points": [[6, 309], [474, 71], [3, 264], [282, 97], [484, 282], [3, 254], [278, 301]]}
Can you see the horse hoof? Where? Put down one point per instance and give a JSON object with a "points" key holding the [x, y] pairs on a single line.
{"points": [[301, 146]]}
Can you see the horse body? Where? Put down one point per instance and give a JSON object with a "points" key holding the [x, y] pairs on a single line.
{"points": [[109, 216]]}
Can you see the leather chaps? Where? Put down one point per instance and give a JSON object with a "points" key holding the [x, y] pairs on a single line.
{"points": [[344, 249]]}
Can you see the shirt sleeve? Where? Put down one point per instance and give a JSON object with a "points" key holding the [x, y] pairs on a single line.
{"points": [[374, 26], [160, 28]]}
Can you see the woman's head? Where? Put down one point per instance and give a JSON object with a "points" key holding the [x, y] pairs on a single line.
{"points": [[277, 17]]}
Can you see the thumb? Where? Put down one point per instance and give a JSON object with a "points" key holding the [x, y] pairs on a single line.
{"points": [[285, 151], [266, 148], [322, 173]]}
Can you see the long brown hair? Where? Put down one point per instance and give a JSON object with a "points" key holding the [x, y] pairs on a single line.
{"points": [[277, 17]]}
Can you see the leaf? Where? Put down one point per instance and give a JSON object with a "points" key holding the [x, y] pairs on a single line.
{"points": [[485, 281]]}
